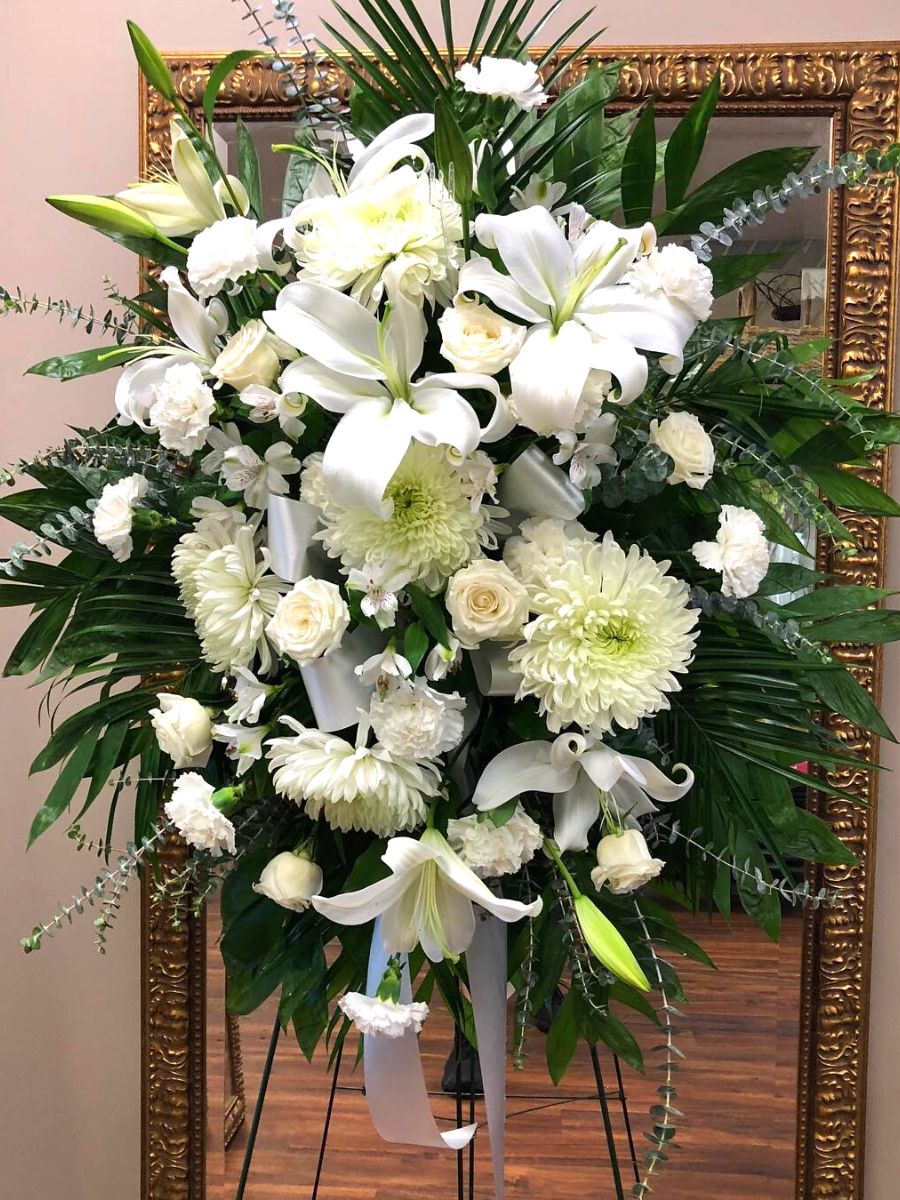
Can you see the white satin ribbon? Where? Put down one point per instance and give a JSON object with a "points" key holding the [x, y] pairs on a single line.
{"points": [[493, 673], [396, 1092], [332, 685], [533, 484], [291, 525]]}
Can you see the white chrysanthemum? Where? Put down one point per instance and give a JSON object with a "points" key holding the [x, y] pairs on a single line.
{"points": [[352, 787], [413, 720], [236, 598], [490, 850], [543, 545], [222, 254], [371, 1015], [114, 515], [200, 823], [740, 551], [406, 222], [212, 532], [433, 529], [678, 274], [181, 408], [611, 629]]}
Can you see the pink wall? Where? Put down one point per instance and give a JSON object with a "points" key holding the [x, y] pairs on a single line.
{"points": [[68, 105]]}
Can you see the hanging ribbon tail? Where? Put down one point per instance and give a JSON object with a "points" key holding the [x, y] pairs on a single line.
{"points": [[395, 1083], [486, 960], [332, 685], [532, 484], [290, 528]]}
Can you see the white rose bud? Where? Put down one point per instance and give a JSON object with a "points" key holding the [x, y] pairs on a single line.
{"points": [[309, 621], [485, 600], [689, 446], [249, 359], [183, 729], [624, 862], [477, 339], [291, 880]]}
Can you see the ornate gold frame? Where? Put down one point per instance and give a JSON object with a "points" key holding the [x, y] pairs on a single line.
{"points": [[857, 86]]}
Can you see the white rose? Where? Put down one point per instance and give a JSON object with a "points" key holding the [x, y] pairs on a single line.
{"points": [[677, 273], [476, 339], [183, 729], [222, 254], [689, 446], [309, 621], [506, 78], [624, 862], [291, 880], [485, 600], [740, 551], [114, 514], [194, 814], [182, 407], [249, 358], [412, 720]]}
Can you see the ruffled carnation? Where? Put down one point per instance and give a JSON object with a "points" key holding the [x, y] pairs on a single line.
{"points": [[182, 407], [200, 823], [352, 787], [221, 255], [412, 720], [740, 551], [371, 1015], [114, 515], [677, 273], [610, 631], [542, 546], [491, 850], [433, 530]]}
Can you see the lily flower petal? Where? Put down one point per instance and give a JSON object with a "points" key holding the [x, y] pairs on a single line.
{"points": [[574, 812], [480, 275], [331, 389], [197, 325], [332, 328], [392, 145], [534, 250], [548, 375], [365, 450]]}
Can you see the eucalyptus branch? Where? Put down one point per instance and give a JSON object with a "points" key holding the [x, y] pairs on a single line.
{"points": [[663, 828], [663, 1133], [787, 631], [26, 304], [115, 879], [63, 528]]}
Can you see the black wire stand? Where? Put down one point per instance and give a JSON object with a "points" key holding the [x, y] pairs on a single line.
{"points": [[465, 1097]]}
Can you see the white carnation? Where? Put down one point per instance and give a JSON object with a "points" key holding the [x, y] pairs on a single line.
{"points": [[475, 338], [491, 850], [114, 514], [222, 254], [182, 407], [676, 273], [183, 729], [352, 787], [412, 720], [740, 551], [386, 1017], [544, 544], [505, 78], [200, 823], [689, 446], [310, 621]]}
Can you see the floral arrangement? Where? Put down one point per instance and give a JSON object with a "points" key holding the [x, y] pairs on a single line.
{"points": [[427, 574]]}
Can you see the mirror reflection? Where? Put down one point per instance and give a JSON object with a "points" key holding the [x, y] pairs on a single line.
{"points": [[739, 1031]]}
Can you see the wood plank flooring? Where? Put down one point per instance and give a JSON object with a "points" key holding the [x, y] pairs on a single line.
{"points": [[737, 1089]]}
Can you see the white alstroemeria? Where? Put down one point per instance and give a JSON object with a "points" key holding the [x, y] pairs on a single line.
{"points": [[249, 696], [199, 328], [427, 899], [442, 660], [585, 457], [582, 316], [538, 191], [363, 368], [221, 438], [190, 200], [266, 405], [243, 470], [379, 583], [384, 670], [575, 770], [504, 79], [242, 742]]}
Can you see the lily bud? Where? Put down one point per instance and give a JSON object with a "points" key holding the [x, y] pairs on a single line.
{"points": [[104, 213], [606, 943]]}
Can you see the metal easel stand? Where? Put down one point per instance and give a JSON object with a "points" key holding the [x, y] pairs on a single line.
{"points": [[465, 1158]]}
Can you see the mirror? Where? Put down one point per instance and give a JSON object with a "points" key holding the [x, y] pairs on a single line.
{"points": [[738, 1082]]}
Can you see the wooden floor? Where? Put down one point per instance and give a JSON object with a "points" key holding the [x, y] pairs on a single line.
{"points": [[736, 1089]]}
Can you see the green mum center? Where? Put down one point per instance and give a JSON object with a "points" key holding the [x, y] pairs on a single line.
{"points": [[614, 635], [414, 505]]}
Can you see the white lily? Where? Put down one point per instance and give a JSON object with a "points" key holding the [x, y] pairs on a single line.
{"points": [[249, 696], [198, 328], [582, 316], [575, 771], [188, 202], [363, 368], [427, 899]]}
